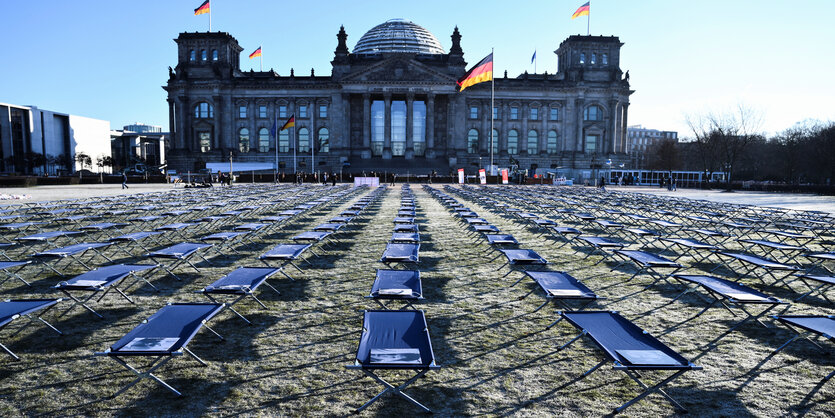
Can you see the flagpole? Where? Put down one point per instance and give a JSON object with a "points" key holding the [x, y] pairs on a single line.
{"points": [[492, 107], [294, 146], [312, 156], [261, 59], [588, 21], [275, 125], [210, 17]]}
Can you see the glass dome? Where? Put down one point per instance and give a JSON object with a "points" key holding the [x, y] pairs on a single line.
{"points": [[398, 35]]}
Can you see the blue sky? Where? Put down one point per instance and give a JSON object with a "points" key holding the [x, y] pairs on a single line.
{"points": [[108, 59]]}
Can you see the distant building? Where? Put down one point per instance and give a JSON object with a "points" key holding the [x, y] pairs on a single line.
{"points": [[642, 140], [37, 141], [392, 104], [142, 128], [131, 148]]}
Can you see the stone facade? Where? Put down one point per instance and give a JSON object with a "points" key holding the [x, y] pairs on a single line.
{"points": [[397, 111]]}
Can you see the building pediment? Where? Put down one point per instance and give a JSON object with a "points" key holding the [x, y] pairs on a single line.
{"points": [[399, 69]]}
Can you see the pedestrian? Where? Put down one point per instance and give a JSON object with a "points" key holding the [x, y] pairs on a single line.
{"points": [[125, 180], [603, 183], [674, 184], [333, 179]]}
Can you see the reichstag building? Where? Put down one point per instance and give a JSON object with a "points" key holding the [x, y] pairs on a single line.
{"points": [[392, 104]]}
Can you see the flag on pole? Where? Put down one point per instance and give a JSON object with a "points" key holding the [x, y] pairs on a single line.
{"points": [[533, 58], [256, 53], [204, 8], [582, 11], [274, 129], [481, 72], [290, 122]]}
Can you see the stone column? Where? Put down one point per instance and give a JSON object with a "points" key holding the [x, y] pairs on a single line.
{"points": [[410, 125], [430, 126], [217, 132], [504, 130], [171, 125], [366, 126], [387, 128], [523, 136], [624, 132], [251, 125], [185, 135], [543, 132], [611, 141], [484, 138]]}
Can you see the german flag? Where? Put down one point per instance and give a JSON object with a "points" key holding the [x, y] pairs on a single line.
{"points": [[481, 72], [582, 11], [290, 122], [256, 53], [204, 8]]}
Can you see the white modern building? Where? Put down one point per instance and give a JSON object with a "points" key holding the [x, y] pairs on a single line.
{"points": [[37, 141], [641, 141]]}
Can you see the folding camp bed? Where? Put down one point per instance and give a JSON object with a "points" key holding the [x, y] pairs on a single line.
{"points": [[397, 285], [786, 236], [11, 268], [565, 233], [405, 228], [630, 349], [751, 263], [600, 245], [820, 261], [394, 340], [519, 258], [646, 262], [135, 239], [475, 221], [286, 253], [667, 226], [404, 220], [728, 294], [163, 336], [101, 280], [605, 224], [341, 219], [817, 284], [313, 237], [240, 283], [176, 228], [401, 253], [499, 240], [642, 236], [691, 248], [405, 237], [329, 227], [103, 226], [787, 252], [485, 229], [50, 237], [561, 288], [737, 229], [74, 252], [179, 253], [809, 327], [13, 309]]}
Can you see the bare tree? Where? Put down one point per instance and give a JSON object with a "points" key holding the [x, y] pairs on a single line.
{"points": [[725, 136]]}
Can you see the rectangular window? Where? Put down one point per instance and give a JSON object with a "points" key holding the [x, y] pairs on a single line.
{"points": [[398, 128], [242, 112], [282, 111], [323, 111], [534, 113], [591, 143], [303, 111], [419, 127], [555, 114], [605, 59], [473, 112], [262, 111], [205, 141], [514, 113], [378, 124], [495, 112]]}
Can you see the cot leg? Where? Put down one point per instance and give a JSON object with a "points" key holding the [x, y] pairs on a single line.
{"points": [[199, 360], [50, 326], [11, 353], [596, 366], [649, 390], [572, 340]]}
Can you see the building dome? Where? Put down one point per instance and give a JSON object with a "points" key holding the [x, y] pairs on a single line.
{"points": [[398, 35]]}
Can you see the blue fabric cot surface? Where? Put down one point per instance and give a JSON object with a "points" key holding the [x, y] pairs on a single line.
{"points": [[771, 244], [760, 261], [397, 279], [646, 258], [691, 243], [103, 225], [222, 236], [311, 235], [820, 324], [177, 320], [523, 257], [286, 251], [174, 227], [43, 236], [10, 308], [614, 333], [251, 226], [181, 250], [558, 280], [9, 264], [103, 276], [500, 239], [134, 236], [602, 242], [401, 252], [728, 288], [405, 237], [241, 280], [71, 249], [395, 330]]}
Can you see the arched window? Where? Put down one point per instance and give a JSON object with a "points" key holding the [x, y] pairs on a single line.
{"points": [[243, 140], [472, 141], [495, 141], [593, 112], [582, 58], [304, 140], [324, 140], [513, 142], [593, 58], [533, 142], [203, 110], [605, 59], [214, 55], [263, 140], [552, 142], [192, 56], [203, 55], [284, 141]]}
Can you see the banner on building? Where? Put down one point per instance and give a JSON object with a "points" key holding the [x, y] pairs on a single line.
{"points": [[504, 176], [482, 176], [460, 176]]}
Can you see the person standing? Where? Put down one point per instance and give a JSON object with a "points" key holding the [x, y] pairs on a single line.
{"points": [[333, 179], [125, 180], [603, 183]]}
